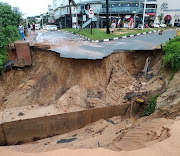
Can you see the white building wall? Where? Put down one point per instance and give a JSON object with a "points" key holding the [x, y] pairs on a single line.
{"points": [[59, 3], [173, 9], [96, 6], [87, 1]]}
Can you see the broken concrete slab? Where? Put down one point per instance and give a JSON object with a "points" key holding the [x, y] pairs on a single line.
{"points": [[23, 54]]}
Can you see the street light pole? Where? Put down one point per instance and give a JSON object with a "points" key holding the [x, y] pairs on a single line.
{"points": [[107, 17], [144, 14]]}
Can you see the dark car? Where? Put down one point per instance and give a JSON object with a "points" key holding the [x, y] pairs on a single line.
{"points": [[178, 25]]}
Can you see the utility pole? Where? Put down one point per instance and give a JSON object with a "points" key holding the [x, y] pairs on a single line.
{"points": [[42, 20], [144, 14], [98, 23], [70, 14], [107, 17], [91, 25]]}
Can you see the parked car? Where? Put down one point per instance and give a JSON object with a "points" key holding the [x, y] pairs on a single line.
{"points": [[178, 24], [37, 27], [44, 27], [156, 25], [53, 28], [47, 27], [163, 25]]}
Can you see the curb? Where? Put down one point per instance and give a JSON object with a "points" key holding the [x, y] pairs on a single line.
{"points": [[116, 38]]}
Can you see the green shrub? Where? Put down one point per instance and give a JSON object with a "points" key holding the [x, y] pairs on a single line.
{"points": [[11, 33], [151, 107], [8, 34], [9, 22], [172, 55], [3, 59]]}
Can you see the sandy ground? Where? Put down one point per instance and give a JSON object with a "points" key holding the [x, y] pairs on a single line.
{"points": [[119, 31], [167, 147]]}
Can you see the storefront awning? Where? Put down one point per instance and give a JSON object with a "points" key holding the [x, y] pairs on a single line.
{"points": [[52, 21], [167, 18], [151, 14]]}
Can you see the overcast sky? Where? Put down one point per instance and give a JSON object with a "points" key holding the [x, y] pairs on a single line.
{"points": [[30, 7]]}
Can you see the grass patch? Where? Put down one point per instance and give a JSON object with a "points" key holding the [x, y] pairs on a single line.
{"points": [[101, 34], [151, 107]]}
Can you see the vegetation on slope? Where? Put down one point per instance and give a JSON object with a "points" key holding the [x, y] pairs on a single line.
{"points": [[9, 21], [172, 55], [151, 107]]}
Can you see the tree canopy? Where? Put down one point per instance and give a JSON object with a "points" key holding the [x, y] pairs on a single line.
{"points": [[8, 16]]}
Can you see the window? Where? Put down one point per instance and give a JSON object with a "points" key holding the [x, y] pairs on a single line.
{"points": [[141, 5], [126, 5], [135, 5], [82, 7], [150, 6], [114, 6]]}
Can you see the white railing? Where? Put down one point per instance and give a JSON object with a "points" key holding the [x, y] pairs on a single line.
{"points": [[64, 11], [120, 10]]}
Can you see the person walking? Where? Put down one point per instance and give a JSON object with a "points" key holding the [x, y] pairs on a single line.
{"points": [[34, 27], [140, 25], [113, 26], [29, 28], [21, 31]]}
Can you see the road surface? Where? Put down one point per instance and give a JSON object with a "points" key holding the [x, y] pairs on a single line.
{"points": [[73, 46]]}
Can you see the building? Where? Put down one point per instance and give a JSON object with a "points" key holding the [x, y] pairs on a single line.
{"points": [[170, 10], [51, 14], [16, 9], [50, 9], [118, 10]]}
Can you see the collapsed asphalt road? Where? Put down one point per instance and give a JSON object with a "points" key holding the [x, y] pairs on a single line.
{"points": [[73, 46]]}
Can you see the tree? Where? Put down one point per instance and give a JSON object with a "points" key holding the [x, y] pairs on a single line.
{"points": [[8, 16], [9, 20], [45, 19], [160, 17]]}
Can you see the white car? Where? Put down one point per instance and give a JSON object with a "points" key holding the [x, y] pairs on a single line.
{"points": [[48, 27], [156, 25], [44, 27], [163, 25], [53, 28], [37, 27]]}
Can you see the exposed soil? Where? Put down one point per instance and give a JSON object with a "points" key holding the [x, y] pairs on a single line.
{"points": [[73, 85], [79, 84]]}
